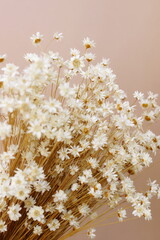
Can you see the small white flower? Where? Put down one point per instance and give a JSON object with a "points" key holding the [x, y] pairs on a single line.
{"points": [[59, 169], [121, 214], [36, 128], [58, 36], [13, 212], [29, 202], [36, 38], [53, 224], [88, 43], [153, 187], [96, 191], [73, 222], [91, 233], [83, 179], [84, 209], [60, 196], [147, 214], [41, 186], [36, 213], [105, 62], [31, 57], [3, 226], [89, 57], [20, 192], [99, 141], [139, 210], [60, 207], [74, 52], [75, 187], [75, 151], [93, 162], [138, 95], [63, 153], [76, 63], [73, 169], [3, 57], [37, 230]]}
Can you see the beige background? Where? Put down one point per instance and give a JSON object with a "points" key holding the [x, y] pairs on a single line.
{"points": [[126, 31]]}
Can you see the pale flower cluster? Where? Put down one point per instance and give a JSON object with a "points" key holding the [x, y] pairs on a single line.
{"points": [[70, 141]]}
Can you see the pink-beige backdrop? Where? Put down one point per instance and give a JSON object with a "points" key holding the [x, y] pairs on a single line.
{"points": [[126, 31]]}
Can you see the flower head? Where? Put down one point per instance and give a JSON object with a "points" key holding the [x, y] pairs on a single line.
{"points": [[36, 213], [58, 36], [88, 43], [36, 38], [3, 226]]}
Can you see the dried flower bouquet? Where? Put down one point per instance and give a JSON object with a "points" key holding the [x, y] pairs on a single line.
{"points": [[69, 152]]}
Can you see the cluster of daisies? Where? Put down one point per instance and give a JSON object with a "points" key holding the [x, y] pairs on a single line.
{"points": [[70, 143]]}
